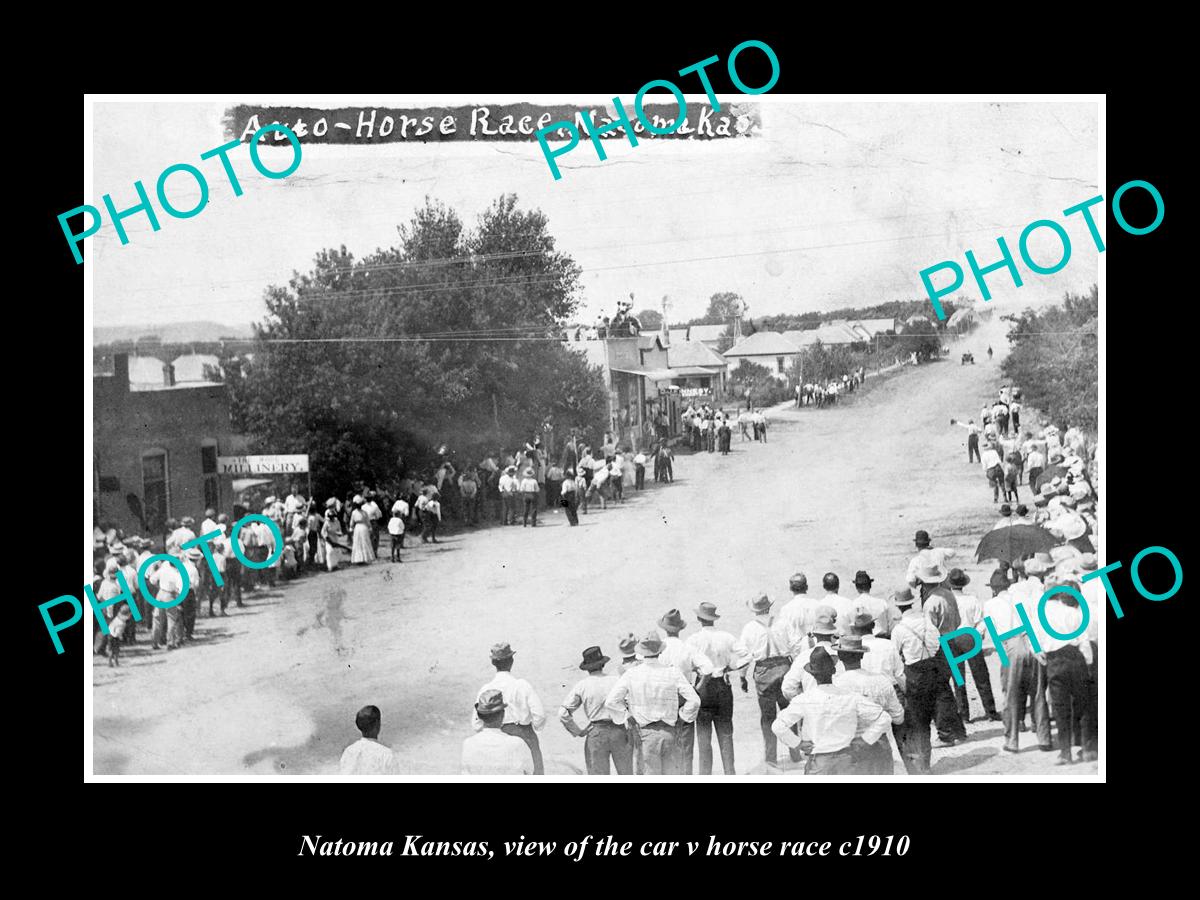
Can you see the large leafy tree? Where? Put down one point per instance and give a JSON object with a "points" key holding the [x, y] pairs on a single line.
{"points": [[1055, 359], [448, 338]]}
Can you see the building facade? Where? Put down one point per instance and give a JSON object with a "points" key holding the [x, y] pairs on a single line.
{"points": [[155, 449]]}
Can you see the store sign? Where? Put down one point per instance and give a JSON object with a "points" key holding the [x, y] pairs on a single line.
{"points": [[262, 465], [696, 392]]}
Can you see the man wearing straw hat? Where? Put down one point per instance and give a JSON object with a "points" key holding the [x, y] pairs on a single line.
{"points": [[605, 737], [716, 697], [876, 758], [657, 696], [835, 723], [523, 711], [1023, 679], [769, 662], [970, 617]]}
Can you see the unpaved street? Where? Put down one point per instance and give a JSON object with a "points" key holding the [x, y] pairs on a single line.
{"points": [[274, 687]]}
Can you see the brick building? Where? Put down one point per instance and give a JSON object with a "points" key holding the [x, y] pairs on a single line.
{"points": [[155, 448]]}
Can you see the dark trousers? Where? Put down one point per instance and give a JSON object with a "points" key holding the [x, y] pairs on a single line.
{"points": [[716, 711], [874, 759], [995, 477], [310, 559], [639, 477], [1067, 680], [188, 608], [685, 743], [769, 704], [1033, 477], [604, 742], [531, 506], [839, 763], [509, 502], [572, 515], [920, 699], [946, 716], [1024, 683], [973, 448], [979, 674], [529, 736]]}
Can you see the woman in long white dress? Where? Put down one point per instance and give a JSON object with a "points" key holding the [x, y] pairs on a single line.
{"points": [[331, 533], [361, 550]]}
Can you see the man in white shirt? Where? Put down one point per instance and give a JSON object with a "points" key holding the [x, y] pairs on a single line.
{"points": [[927, 555], [843, 606], [508, 495], [1068, 660], [824, 632], [716, 700], [695, 666], [367, 756], [605, 738], [917, 641], [768, 659], [657, 696], [835, 723], [876, 606], [971, 616], [1023, 680], [874, 759], [795, 617], [523, 711], [881, 658], [492, 751]]}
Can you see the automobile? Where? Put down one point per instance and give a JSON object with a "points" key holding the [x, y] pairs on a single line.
{"points": [[968, 358]]}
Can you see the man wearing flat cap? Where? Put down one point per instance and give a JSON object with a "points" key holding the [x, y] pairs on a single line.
{"points": [[605, 738], [491, 751], [523, 715], [835, 723], [657, 696]]}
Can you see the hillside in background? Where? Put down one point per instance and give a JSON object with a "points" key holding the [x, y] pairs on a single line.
{"points": [[177, 333]]}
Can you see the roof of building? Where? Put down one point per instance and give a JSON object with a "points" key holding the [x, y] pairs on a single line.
{"points": [[146, 370], [961, 315], [705, 332], [677, 335], [650, 339], [763, 343], [694, 353], [191, 366], [878, 326], [840, 333]]}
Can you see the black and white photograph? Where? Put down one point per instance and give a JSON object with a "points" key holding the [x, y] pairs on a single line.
{"points": [[554, 436]]}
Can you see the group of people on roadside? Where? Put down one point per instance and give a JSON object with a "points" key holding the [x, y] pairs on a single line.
{"points": [[826, 393]]}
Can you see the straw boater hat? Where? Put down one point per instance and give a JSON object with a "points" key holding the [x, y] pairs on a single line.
{"points": [[759, 605], [1071, 526], [707, 611], [593, 658], [650, 645]]}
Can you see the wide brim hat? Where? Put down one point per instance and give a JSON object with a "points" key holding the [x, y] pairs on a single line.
{"points": [[852, 643], [1036, 567], [931, 574], [998, 579], [490, 702], [861, 577], [650, 645], [825, 621], [593, 658], [672, 619], [904, 597], [707, 612], [959, 578], [820, 663], [759, 604], [502, 650]]}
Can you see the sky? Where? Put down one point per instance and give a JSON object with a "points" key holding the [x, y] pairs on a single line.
{"points": [[835, 204]]}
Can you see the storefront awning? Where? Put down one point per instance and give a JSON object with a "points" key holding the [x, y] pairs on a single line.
{"points": [[649, 374]]}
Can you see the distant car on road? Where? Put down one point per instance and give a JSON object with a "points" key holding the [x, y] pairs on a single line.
{"points": [[968, 358]]}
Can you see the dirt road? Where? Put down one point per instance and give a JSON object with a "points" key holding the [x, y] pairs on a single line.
{"points": [[274, 687]]}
